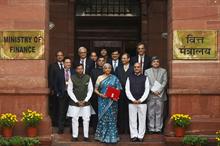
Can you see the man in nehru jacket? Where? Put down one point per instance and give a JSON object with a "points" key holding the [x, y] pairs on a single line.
{"points": [[137, 90], [158, 80], [80, 90]]}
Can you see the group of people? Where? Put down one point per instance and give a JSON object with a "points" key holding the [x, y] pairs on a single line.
{"points": [[79, 86]]}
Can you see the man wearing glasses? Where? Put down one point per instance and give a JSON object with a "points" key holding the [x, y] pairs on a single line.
{"points": [[87, 63], [141, 57], [53, 70]]}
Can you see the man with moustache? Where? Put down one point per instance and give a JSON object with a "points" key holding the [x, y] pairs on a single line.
{"points": [[137, 90]]}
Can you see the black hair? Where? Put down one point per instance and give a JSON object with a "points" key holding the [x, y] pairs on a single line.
{"points": [[65, 58]]}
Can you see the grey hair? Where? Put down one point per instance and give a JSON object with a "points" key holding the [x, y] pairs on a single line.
{"points": [[80, 48], [107, 65]]}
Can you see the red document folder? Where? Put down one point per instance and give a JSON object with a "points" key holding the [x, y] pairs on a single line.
{"points": [[113, 93]]}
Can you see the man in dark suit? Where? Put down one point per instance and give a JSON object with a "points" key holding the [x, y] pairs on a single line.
{"points": [[114, 61], [61, 83], [122, 72], [87, 63], [94, 57], [94, 100], [53, 69], [142, 58]]}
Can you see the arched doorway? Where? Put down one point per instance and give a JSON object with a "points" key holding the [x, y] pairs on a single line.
{"points": [[107, 24]]}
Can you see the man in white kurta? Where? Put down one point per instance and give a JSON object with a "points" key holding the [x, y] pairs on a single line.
{"points": [[137, 90], [80, 90]]}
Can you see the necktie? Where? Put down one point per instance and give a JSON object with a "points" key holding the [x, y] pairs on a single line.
{"points": [[61, 65], [67, 75], [141, 62], [82, 61], [114, 65]]}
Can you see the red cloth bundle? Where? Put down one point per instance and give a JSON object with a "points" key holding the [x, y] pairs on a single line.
{"points": [[113, 93]]}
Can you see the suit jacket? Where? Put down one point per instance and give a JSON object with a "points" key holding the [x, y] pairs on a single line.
{"points": [[161, 78], [95, 73], [89, 65], [110, 62], [52, 71], [122, 74], [147, 61], [60, 84]]}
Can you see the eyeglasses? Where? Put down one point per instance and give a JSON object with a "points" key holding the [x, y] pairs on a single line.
{"points": [[82, 52]]}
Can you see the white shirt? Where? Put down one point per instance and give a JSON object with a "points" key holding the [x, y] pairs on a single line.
{"points": [[143, 97], [139, 59], [83, 62], [72, 95], [115, 64], [60, 65], [126, 67], [67, 72]]}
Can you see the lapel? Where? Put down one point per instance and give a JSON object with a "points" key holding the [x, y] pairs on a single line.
{"points": [[158, 75]]}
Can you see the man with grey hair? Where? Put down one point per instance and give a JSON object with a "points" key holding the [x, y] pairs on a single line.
{"points": [[87, 63], [158, 81]]}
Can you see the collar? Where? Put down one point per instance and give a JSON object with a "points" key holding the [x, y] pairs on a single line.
{"points": [[137, 74], [141, 56]]}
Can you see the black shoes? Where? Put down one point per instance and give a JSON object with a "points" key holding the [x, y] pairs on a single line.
{"points": [[74, 139], [86, 139], [154, 132], [134, 139]]}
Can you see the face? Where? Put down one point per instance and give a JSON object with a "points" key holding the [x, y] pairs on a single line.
{"points": [[60, 56], [137, 68], [115, 55], [93, 56], [67, 63], [141, 49], [104, 52], [125, 59], [82, 53], [155, 63], [107, 70], [79, 70], [101, 62]]}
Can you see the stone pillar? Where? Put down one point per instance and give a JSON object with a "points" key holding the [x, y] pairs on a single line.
{"points": [[194, 85], [23, 83]]}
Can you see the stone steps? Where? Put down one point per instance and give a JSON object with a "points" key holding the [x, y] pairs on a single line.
{"points": [[149, 140]]}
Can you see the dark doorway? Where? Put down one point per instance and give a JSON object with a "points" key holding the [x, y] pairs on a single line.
{"points": [[107, 24]]}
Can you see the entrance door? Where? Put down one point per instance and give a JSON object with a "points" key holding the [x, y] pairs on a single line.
{"points": [[107, 24]]}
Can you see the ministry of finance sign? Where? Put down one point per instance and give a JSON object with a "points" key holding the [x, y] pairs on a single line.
{"points": [[195, 45], [28, 44]]}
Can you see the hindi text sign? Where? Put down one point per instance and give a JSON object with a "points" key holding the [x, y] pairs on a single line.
{"points": [[195, 44]]}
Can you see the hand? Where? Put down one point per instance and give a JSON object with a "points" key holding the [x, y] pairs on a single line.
{"points": [[103, 96], [81, 103], [156, 93], [135, 102], [138, 102]]}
